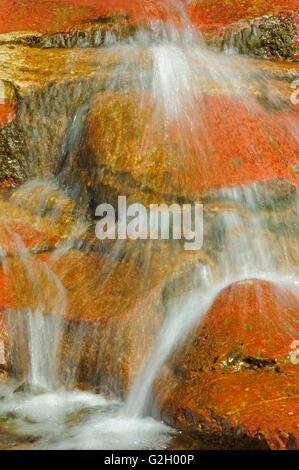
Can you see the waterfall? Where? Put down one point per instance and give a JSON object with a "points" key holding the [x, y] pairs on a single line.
{"points": [[169, 73], [246, 257], [34, 328], [180, 321], [34, 347], [250, 255]]}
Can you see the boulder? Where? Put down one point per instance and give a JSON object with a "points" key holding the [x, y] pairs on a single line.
{"points": [[234, 383], [131, 150]]}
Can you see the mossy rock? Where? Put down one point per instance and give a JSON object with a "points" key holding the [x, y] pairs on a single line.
{"points": [[278, 38]]}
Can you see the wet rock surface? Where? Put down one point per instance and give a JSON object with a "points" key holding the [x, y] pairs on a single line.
{"points": [[54, 76], [233, 382], [260, 28], [59, 20], [141, 163], [274, 37], [50, 89], [99, 32], [111, 292], [120, 292]]}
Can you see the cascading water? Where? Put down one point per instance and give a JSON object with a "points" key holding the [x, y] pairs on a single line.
{"points": [[245, 257], [37, 403], [37, 331], [34, 336], [181, 71]]}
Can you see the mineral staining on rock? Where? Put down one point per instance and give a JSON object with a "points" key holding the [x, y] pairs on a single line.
{"points": [[242, 387]]}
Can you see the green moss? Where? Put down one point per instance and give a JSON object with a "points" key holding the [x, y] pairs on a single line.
{"points": [[278, 38], [12, 160]]}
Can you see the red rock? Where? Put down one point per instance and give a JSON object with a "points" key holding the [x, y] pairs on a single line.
{"points": [[7, 183], [222, 12], [8, 103], [233, 383], [25, 234], [231, 141], [30, 236], [58, 15], [7, 112]]}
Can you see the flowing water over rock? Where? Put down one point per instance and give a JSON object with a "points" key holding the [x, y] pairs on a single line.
{"points": [[91, 326], [246, 256]]}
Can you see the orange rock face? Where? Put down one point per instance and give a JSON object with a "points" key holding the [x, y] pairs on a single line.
{"points": [[8, 103], [222, 12], [113, 307], [57, 15], [234, 383], [230, 142], [106, 353]]}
